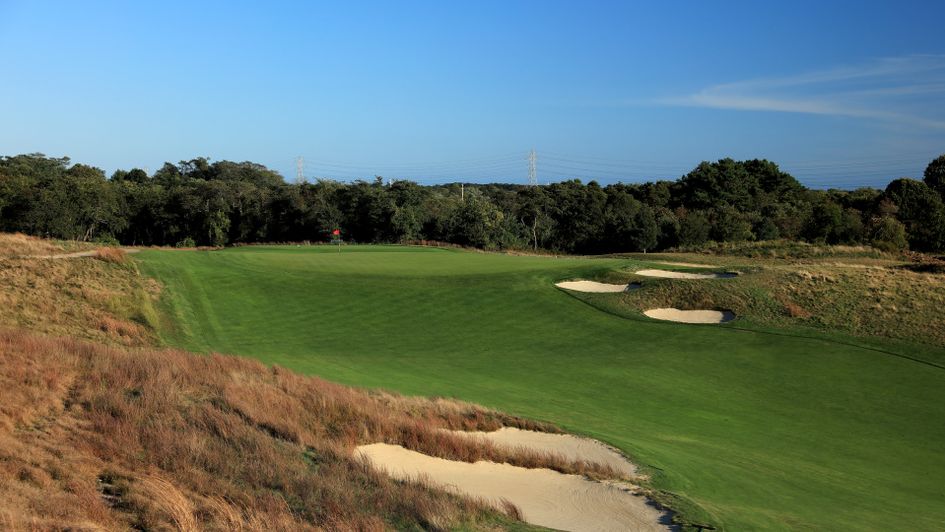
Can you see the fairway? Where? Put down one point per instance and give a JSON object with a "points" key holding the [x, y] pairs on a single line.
{"points": [[750, 430]]}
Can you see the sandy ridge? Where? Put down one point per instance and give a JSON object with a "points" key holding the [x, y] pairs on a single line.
{"points": [[690, 316], [682, 264], [667, 274], [592, 286]]}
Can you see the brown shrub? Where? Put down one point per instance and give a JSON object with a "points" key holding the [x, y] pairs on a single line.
{"points": [[121, 328], [796, 311], [115, 255]]}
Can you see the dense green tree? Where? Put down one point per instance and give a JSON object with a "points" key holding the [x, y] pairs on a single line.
{"points": [[629, 224], [921, 210], [694, 227], [199, 201], [823, 224], [135, 175], [745, 185], [668, 229], [888, 234], [533, 207], [730, 225], [578, 214], [934, 175]]}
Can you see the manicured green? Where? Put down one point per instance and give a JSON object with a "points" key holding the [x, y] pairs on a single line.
{"points": [[749, 430]]}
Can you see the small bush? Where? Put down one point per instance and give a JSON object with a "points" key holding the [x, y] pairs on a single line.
{"points": [[186, 243], [107, 240], [113, 255]]}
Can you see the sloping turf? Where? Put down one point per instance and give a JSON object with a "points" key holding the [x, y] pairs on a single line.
{"points": [[759, 431]]}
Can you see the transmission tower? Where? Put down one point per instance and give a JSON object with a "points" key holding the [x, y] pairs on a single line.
{"points": [[532, 168], [299, 170]]}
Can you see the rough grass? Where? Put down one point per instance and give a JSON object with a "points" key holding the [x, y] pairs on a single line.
{"points": [[95, 436], [784, 249], [20, 245], [861, 297], [114, 255], [104, 300]]}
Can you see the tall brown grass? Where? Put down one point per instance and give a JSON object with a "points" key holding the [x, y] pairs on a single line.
{"points": [[20, 245], [116, 255], [110, 437], [103, 300]]}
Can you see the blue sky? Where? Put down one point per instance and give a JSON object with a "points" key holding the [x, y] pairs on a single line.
{"points": [[838, 93]]}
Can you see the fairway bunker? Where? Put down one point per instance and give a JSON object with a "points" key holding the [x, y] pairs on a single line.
{"points": [[595, 287], [667, 274], [690, 316], [683, 264], [544, 497]]}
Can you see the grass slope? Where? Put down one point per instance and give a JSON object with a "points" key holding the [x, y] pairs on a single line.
{"points": [[749, 430], [107, 438]]}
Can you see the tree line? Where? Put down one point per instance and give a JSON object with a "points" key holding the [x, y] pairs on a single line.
{"points": [[204, 203]]}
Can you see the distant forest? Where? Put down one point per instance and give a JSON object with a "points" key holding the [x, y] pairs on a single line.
{"points": [[204, 203]]}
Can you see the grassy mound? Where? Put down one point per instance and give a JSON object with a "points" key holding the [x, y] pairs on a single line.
{"points": [[859, 296], [744, 429], [102, 298]]}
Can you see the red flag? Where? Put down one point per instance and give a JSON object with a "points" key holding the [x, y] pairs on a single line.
{"points": [[336, 232]]}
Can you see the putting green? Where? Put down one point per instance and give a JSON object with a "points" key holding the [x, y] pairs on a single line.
{"points": [[750, 430]]}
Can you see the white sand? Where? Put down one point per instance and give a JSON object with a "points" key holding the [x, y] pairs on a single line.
{"points": [[691, 316], [591, 286], [683, 264], [683, 275], [545, 497], [567, 445]]}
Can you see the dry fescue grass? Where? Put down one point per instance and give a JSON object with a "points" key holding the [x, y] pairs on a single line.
{"points": [[784, 249], [115, 255], [861, 296], [99, 437], [19, 245], [105, 437], [102, 300]]}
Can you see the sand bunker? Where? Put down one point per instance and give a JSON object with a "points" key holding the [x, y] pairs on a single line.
{"points": [[567, 445], [545, 497], [691, 316], [593, 286], [682, 264], [685, 275]]}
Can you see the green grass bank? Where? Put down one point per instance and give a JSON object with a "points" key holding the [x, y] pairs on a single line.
{"points": [[750, 430]]}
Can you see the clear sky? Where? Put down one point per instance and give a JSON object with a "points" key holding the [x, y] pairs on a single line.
{"points": [[838, 93]]}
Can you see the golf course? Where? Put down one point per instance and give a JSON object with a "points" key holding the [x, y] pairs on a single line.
{"points": [[738, 426]]}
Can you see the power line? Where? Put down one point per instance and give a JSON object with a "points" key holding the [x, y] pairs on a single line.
{"points": [[874, 171]]}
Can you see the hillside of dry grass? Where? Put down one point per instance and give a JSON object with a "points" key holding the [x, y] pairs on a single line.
{"points": [[20, 245], [96, 436], [101, 298], [99, 430]]}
